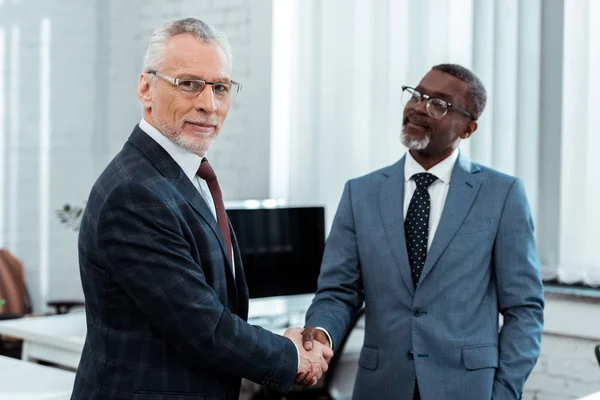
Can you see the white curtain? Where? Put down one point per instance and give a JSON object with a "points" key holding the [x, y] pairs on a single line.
{"points": [[339, 66], [579, 258]]}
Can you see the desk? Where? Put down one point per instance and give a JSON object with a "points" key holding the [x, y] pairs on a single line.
{"points": [[57, 338], [281, 305], [279, 313], [21, 380]]}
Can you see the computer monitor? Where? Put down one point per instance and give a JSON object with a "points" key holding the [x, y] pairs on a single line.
{"points": [[281, 248]]}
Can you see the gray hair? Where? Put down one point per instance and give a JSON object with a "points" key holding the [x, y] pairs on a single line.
{"points": [[477, 94], [200, 29]]}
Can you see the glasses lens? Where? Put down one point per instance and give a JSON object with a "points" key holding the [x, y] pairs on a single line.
{"points": [[437, 108], [225, 91], [410, 96], [193, 87], [222, 91]]}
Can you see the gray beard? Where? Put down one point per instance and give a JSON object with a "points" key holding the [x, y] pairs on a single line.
{"points": [[178, 138], [414, 144]]}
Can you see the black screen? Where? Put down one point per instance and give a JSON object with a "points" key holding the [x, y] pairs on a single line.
{"points": [[281, 248]]}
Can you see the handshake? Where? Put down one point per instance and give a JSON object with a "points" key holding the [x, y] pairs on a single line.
{"points": [[314, 351]]}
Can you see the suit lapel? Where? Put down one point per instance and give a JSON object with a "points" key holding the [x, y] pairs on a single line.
{"points": [[464, 186], [165, 164], [391, 206]]}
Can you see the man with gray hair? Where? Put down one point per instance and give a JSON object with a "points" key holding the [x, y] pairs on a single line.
{"points": [[166, 297]]}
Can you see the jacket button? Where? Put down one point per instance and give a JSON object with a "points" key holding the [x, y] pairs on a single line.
{"points": [[411, 355], [417, 312]]}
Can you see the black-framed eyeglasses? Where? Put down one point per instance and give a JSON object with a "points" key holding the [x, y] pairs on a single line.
{"points": [[437, 108], [193, 87]]}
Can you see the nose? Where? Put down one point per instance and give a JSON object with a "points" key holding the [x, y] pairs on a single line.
{"points": [[205, 101], [421, 106]]}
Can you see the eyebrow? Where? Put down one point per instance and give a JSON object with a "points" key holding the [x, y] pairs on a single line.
{"points": [[440, 95], [191, 77]]}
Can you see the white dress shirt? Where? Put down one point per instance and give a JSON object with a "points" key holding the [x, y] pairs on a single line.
{"points": [[438, 190], [189, 163]]}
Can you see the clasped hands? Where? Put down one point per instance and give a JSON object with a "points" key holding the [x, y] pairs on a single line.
{"points": [[315, 353]]}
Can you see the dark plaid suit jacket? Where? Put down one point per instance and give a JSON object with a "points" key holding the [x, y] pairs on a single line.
{"points": [[165, 317]]}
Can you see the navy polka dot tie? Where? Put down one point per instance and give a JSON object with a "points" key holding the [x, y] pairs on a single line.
{"points": [[416, 225]]}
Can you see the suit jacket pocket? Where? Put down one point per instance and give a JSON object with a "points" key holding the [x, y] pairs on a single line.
{"points": [[480, 356], [369, 357], [148, 395]]}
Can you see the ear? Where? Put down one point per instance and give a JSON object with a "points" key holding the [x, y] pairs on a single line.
{"points": [[471, 128], [144, 91]]}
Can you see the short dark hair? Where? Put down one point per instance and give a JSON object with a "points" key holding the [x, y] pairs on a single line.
{"points": [[477, 93]]}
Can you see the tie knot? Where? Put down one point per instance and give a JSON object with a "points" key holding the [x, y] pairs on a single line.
{"points": [[205, 171], [424, 179]]}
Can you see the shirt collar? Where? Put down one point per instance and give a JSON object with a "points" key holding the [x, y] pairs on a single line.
{"points": [[442, 170], [188, 161]]}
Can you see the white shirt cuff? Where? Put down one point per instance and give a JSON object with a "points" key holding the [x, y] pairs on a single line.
{"points": [[328, 336]]}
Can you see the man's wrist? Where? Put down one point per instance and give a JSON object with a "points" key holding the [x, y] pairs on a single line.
{"points": [[328, 336]]}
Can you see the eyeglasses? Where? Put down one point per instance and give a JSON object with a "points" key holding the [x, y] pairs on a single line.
{"points": [[221, 90], [437, 108]]}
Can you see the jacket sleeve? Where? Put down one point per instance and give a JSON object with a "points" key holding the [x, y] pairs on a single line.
{"points": [[339, 295], [520, 295], [143, 248]]}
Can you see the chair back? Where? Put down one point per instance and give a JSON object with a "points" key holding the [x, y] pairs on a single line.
{"points": [[13, 291]]}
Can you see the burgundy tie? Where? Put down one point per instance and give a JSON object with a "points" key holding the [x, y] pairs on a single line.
{"points": [[208, 174]]}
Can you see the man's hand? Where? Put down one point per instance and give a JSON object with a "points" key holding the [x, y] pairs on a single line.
{"points": [[312, 363], [310, 334]]}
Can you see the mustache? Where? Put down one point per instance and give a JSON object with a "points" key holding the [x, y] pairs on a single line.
{"points": [[416, 119]]}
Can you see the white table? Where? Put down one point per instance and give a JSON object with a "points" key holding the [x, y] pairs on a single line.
{"points": [[273, 306], [58, 338], [20, 380], [279, 313]]}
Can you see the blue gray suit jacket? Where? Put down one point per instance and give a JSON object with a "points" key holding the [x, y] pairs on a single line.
{"points": [[482, 262], [165, 316]]}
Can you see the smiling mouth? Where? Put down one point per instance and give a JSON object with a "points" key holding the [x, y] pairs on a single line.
{"points": [[201, 127], [416, 125], [419, 124], [201, 124]]}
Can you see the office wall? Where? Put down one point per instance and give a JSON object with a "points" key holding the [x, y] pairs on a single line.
{"points": [[68, 75]]}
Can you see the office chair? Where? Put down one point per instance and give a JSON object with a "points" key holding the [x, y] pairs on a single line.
{"points": [[337, 383], [597, 351], [17, 301]]}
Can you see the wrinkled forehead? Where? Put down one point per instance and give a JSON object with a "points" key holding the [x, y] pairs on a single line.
{"points": [[186, 55]]}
